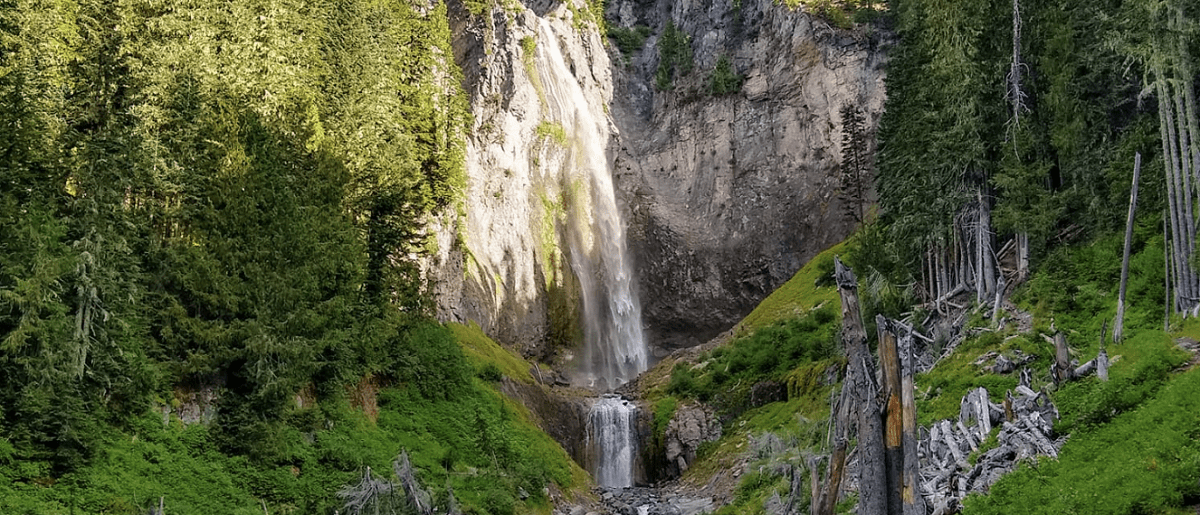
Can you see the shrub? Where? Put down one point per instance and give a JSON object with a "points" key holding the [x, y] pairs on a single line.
{"points": [[489, 372], [770, 352], [629, 39], [528, 46], [1090, 403], [724, 79], [553, 131], [683, 382]]}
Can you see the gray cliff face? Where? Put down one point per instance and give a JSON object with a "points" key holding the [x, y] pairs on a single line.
{"points": [[724, 197], [526, 197], [730, 195]]}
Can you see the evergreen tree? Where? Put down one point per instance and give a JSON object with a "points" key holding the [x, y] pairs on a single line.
{"points": [[201, 192], [855, 165]]}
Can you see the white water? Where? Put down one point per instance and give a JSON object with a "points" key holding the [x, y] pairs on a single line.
{"points": [[610, 432], [614, 348]]}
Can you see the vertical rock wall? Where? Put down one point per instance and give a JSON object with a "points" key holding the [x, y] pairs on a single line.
{"points": [[525, 198], [730, 195], [725, 196]]}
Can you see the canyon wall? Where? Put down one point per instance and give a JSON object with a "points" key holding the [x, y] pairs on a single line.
{"points": [[731, 194], [724, 196]]}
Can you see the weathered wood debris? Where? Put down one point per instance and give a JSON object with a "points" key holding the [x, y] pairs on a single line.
{"points": [[896, 468], [1026, 419]]}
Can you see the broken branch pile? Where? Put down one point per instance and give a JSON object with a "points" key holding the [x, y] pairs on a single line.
{"points": [[1026, 420]]}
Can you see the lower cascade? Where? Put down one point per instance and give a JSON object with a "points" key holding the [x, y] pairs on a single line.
{"points": [[611, 436]]}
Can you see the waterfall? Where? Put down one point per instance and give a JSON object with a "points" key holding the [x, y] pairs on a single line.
{"points": [[610, 434], [614, 350]]}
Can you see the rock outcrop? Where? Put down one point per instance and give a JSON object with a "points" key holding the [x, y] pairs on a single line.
{"points": [[653, 501], [561, 413], [692, 425]]}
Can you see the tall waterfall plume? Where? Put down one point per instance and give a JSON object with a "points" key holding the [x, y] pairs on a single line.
{"points": [[615, 349]]}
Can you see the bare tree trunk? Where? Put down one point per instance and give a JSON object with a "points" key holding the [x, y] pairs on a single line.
{"points": [[1167, 273], [1062, 359], [956, 257], [814, 484], [1171, 161], [1186, 177], [889, 360], [913, 503], [931, 279], [924, 283], [999, 300], [1187, 84], [872, 484], [987, 257], [826, 502], [980, 284], [1118, 324], [962, 254], [1016, 96], [1022, 257], [943, 277]]}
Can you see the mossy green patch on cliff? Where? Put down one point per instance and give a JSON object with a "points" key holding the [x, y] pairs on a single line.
{"points": [[528, 47], [590, 13], [802, 381], [808, 289], [529, 60], [552, 131], [478, 7], [562, 290], [842, 14], [482, 351], [664, 411], [552, 214]]}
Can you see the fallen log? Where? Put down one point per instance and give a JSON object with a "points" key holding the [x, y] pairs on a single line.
{"points": [[1025, 421], [1098, 365]]}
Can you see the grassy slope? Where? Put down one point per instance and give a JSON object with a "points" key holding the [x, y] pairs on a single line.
{"points": [[800, 294], [326, 449], [788, 319], [481, 351], [1146, 459], [1132, 446]]}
